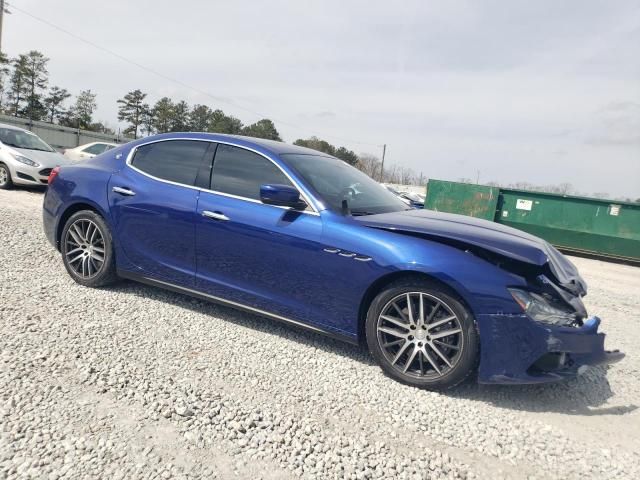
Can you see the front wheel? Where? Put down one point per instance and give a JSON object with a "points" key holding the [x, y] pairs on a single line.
{"points": [[422, 335], [5, 177], [87, 249]]}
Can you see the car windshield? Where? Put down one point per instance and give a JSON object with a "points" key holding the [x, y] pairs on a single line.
{"points": [[22, 139], [336, 181]]}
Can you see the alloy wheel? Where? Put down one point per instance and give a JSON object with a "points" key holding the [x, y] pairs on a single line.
{"points": [[84, 248], [420, 335]]}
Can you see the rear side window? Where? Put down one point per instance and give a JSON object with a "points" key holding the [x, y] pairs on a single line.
{"points": [[174, 160], [237, 171], [96, 149]]}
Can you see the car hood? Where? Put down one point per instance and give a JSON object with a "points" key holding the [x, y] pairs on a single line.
{"points": [[500, 239], [45, 159]]}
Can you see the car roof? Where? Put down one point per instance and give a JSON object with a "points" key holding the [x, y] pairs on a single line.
{"points": [[271, 146], [97, 142], [13, 127]]}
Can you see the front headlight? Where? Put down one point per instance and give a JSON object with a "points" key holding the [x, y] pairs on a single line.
{"points": [[538, 308], [25, 160]]}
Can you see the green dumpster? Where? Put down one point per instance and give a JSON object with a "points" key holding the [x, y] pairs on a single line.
{"points": [[578, 224], [468, 199], [605, 228]]}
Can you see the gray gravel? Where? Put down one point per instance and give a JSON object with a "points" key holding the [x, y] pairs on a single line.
{"points": [[135, 382]]}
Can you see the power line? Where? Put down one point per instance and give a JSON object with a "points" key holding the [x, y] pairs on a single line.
{"points": [[174, 80]]}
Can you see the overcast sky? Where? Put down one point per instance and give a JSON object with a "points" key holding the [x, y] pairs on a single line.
{"points": [[537, 91]]}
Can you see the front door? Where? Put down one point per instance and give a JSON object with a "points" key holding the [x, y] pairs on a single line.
{"points": [[258, 255]]}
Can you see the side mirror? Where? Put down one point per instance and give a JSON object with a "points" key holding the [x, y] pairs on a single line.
{"points": [[281, 195]]}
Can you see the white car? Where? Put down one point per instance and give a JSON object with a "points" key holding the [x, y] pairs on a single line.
{"points": [[396, 193], [88, 150], [25, 159]]}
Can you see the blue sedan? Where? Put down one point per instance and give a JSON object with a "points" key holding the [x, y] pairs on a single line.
{"points": [[301, 237]]}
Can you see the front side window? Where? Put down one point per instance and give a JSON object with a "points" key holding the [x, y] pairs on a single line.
{"points": [[174, 160], [239, 172], [96, 149]]}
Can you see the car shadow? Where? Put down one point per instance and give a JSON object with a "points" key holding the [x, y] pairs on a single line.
{"points": [[31, 188], [247, 319], [585, 395]]}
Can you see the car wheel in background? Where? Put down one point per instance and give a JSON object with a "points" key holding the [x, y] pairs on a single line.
{"points": [[87, 250], [421, 335], [5, 177]]}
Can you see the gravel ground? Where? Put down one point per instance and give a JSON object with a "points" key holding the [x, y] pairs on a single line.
{"points": [[135, 382]]}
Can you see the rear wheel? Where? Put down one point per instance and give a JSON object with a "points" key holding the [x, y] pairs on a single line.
{"points": [[5, 177], [422, 335], [87, 250]]}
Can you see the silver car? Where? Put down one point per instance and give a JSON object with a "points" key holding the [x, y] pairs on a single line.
{"points": [[25, 159]]}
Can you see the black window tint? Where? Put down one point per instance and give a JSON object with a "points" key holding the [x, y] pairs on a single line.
{"points": [[174, 160], [104, 147], [94, 149], [237, 171]]}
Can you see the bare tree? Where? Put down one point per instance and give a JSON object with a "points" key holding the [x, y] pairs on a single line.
{"points": [[369, 164]]}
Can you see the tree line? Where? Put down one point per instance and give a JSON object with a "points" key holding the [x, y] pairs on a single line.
{"points": [[26, 91], [167, 115]]}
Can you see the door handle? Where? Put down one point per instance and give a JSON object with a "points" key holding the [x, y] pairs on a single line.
{"points": [[124, 191], [214, 215]]}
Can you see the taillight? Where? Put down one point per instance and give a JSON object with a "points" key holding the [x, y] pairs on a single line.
{"points": [[53, 175]]}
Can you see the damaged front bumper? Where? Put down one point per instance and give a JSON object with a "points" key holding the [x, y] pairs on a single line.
{"points": [[515, 349]]}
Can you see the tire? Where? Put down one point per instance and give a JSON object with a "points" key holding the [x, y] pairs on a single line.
{"points": [[87, 250], [5, 177], [394, 340]]}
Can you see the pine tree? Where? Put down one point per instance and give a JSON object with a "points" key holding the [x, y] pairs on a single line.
{"points": [[163, 112], [80, 115], [36, 77], [17, 84], [221, 123], [200, 118], [180, 120], [131, 110], [53, 103]]}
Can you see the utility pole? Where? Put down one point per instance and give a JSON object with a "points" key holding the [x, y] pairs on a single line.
{"points": [[384, 150], [1, 19]]}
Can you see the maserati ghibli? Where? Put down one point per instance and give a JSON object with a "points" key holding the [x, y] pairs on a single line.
{"points": [[297, 236]]}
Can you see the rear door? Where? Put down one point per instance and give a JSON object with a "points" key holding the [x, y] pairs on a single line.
{"points": [[153, 203]]}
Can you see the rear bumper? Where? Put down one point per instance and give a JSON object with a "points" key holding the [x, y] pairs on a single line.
{"points": [[49, 219], [515, 349]]}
